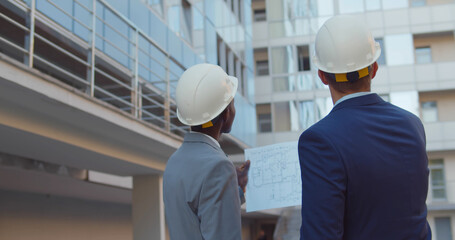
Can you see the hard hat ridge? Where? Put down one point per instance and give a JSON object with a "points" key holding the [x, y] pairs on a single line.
{"points": [[344, 44]]}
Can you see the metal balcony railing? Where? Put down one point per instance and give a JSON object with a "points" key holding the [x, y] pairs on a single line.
{"points": [[96, 50]]}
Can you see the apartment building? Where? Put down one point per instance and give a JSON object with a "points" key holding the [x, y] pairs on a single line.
{"points": [[415, 73], [87, 110]]}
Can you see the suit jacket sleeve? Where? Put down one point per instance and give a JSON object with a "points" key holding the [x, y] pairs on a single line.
{"points": [[323, 188], [219, 206]]}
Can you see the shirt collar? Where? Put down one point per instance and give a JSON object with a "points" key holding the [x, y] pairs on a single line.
{"points": [[210, 137], [352, 95]]}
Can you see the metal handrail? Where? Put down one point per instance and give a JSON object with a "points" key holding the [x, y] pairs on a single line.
{"points": [[136, 88], [69, 15], [14, 22], [113, 45], [14, 45], [113, 79], [83, 6], [150, 56], [62, 50], [152, 100], [113, 96], [153, 116], [83, 81], [150, 71], [115, 30]]}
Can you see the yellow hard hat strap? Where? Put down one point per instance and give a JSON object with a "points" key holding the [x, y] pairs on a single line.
{"points": [[352, 76], [207, 124]]}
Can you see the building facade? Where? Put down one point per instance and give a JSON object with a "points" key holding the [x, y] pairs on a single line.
{"points": [[415, 73], [87, 111]]}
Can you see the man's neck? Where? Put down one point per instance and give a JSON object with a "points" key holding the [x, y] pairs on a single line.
{"points": [[338, 95], [212, 132]]}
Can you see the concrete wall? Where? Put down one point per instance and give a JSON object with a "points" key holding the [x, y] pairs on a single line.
{"points": [[42, 217]]}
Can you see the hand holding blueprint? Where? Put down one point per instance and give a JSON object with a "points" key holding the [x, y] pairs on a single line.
{"points": [[274, 179]]}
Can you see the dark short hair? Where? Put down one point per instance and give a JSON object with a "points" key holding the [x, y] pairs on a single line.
{"points": [[353, 85]]}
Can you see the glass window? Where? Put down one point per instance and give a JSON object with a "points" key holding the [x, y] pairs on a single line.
{"points": [[281, 116], [185, 31], [282, 60], [350, 6], [437, 180], [304, 82], [306, 114], [429, 111], [390, 4], [443, 228], [381, 59], [157, 5], [303, 58], [158, 31], [262, 61], [198, 20], [259, 15], [84, 16], [418, 3], [423, 55], [264, 122], [139, 14], [399, 49], [211, 46], [173, 14], [262, 68], [300, 8]]}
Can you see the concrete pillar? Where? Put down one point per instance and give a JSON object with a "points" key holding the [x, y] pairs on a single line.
{"points": [[148, 208]]}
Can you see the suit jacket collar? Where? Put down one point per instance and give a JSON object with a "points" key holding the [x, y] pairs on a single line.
{"points": [[359, 101], [201, 138]]}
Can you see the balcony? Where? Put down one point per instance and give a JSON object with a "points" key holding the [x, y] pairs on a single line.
{"points": [[440, 136]]}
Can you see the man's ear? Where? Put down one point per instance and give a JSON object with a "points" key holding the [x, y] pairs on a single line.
{"points": [[375, 69], [225, 114], [322, 77]]}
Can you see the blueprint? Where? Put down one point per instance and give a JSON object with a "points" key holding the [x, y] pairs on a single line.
{"points": [[274, 177]]}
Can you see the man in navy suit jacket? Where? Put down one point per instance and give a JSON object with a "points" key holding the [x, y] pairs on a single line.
{"points": [[364, 166]]}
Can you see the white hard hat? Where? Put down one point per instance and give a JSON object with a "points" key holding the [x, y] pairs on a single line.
{"points": [[344, 44], [203, 92]]}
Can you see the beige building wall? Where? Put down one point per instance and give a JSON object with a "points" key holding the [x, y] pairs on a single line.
{"points": [[445, 101], [442, 45], [257, 5], [44, 217], [438, 2]]}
